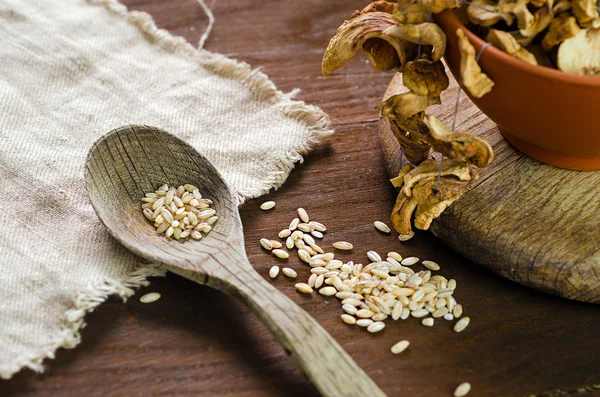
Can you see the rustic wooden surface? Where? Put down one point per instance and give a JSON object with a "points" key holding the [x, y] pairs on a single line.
{"points": [[198, 341], [122, 167], [532, 223]]}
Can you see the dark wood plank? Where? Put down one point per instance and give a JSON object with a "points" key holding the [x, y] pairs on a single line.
{"points": [[199, 341]]}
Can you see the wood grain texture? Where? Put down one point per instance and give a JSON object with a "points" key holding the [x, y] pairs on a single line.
{"points": [[532, 223], [198, 341], [129, 162]]}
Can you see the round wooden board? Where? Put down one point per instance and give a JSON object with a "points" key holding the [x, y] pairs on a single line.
{"points": [[535, 224]]}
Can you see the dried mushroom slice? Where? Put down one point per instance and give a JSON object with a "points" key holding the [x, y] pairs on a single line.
{"points": [[561, 28], [431, 168], [431, 202], [487, 13], [398, 181], [586, 12], [425, 33], [354, 33], [419, 193], [406, 105], [474, 80], [459, 145], [507, 43], [541, 19], [580, 54], [561, 6], [525, 19], [402, 214], [376, 6], [410, 12], [425, 77], [437, 6]]}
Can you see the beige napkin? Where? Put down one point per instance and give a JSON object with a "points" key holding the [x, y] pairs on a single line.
{"points": [[71, 71]]}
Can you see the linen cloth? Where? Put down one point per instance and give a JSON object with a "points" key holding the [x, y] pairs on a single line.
{"points": [[70, 71]]}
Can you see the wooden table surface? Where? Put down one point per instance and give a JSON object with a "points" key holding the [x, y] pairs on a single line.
{"points": [[196, 341]]}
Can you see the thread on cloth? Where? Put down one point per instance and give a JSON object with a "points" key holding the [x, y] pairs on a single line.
{"points": [[211, 22], [437, 182]]}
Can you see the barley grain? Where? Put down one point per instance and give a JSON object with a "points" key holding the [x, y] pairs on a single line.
{"points": [[304, 255], [441, 312], [418, 313], [317, 234], [405, 237], [400, 347], [462, 324], [405, 313], [280, 253], [267, 205], [304, 288], [312, 279], [276, 244], [428, 322], [348, 319], [150, 297], [294, 224], [448, 316], [328, 291], [303, 215], [291, 273], [285, 233], [409, 261], [462, 390], [266, 244], [343, 245], [379, 317], [299, 244], [343, 294], [319, 281], [297, 235], [318, 226], [317, 248], [196, 235], [452, 283], [349, 309], [431, 265], [289, 243], [364, 313], [457, 311], [376, 327], [308, 239], [364, 322], [305, 227], [351, 301], [382, 227], [273, 271], [373, 256]]}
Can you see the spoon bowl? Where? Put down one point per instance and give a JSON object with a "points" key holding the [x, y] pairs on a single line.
{"points": [[131, 161]]}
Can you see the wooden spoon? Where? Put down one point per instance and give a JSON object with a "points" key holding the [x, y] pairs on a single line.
{"points": [[133, 160]]}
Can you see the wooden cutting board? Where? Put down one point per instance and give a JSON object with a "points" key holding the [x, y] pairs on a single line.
{"points": [[527, 221]]}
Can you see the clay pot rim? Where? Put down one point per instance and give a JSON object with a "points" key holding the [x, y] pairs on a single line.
{"points": [[499, 56]]}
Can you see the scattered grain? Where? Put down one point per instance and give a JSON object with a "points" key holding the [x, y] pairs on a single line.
{"points": [[409, 261], [280, 253], [266, 244], [273, 271], [348, 319], [304, 288], [267, 205], [150, 297], [328, 291], [373, 256], [382, 227], [400, 347], [462, 324], [343, 245], [462, 390], [291, 273], [285, 233], [375, 327], [431, 265], [428, 322]]}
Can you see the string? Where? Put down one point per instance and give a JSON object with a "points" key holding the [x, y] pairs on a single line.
{"points": [[211, 22], [437, 182]]}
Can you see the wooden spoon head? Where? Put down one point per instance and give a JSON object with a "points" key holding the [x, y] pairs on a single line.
{"points": [[131, 161]]}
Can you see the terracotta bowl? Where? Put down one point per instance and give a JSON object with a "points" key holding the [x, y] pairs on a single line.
{"points": [[549, 115]]}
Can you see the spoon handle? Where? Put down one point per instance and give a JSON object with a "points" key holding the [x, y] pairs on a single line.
{"points": [[333, 372]]}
